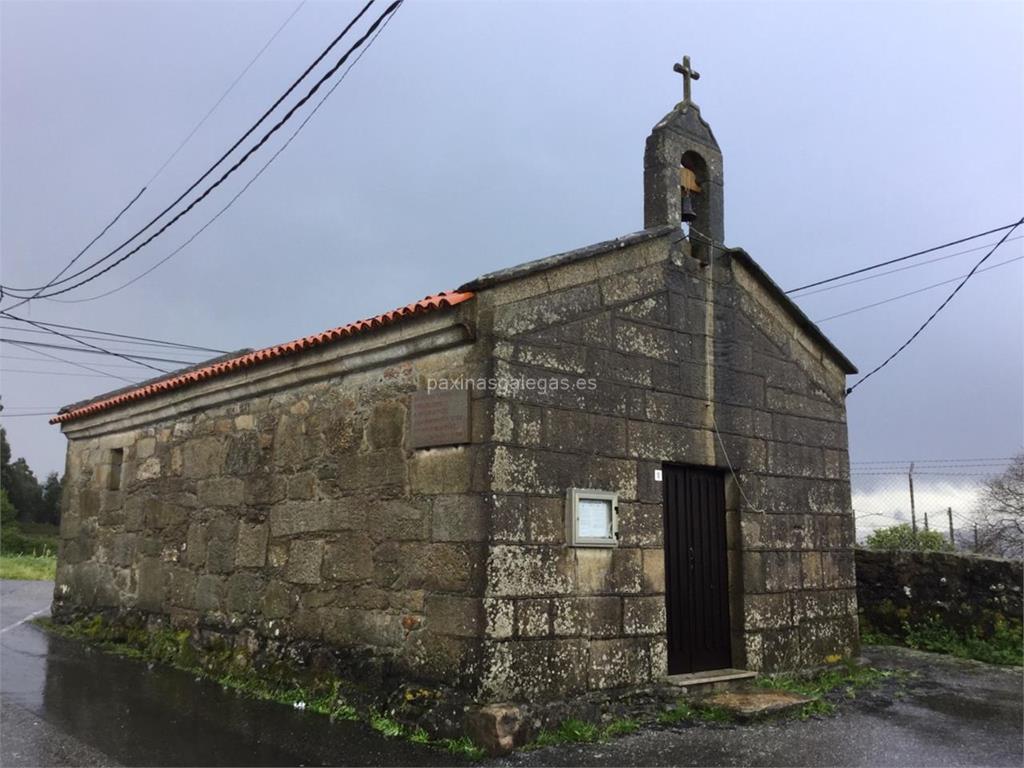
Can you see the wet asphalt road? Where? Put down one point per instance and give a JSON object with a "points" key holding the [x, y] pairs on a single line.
{"points": [[951, 712], [62, 703]]}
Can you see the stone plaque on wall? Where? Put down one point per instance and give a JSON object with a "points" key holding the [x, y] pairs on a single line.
{"points": [[439, 418]]}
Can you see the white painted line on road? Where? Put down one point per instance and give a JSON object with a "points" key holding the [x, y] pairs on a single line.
{"points": [[27, 618]]}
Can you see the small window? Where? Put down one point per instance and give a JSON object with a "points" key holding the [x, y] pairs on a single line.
{"points": [[116, 465], [592, 518]]}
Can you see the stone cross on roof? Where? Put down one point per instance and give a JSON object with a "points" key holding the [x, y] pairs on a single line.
{"points": [[688, 73]]}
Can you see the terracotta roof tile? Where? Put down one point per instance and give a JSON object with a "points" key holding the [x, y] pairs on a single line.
{"points": [[249, 359]]}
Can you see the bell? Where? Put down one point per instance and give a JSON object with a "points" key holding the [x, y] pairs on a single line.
{"points": [[688, 215]]}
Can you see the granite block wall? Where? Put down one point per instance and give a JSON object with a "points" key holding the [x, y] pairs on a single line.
{"points": [[666, 361], [297, 515]]}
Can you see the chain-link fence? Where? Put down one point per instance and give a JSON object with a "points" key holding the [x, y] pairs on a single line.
{"points": [[939, 495]]}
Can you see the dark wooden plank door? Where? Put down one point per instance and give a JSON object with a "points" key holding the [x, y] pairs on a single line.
{"points": [[696, 570]]}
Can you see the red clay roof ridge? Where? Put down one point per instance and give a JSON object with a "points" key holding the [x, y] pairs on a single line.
{"points": [[248, 358]]}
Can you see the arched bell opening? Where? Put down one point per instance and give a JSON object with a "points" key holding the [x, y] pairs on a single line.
{"points": [[695, 212]]}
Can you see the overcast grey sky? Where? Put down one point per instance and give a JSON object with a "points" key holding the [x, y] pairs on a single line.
{"points": [[474, 136]]}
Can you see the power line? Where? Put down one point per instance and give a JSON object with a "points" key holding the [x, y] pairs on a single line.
{"points": [[64, 360], [924, 263], [916, 291], [99, 351], [213, 167], [172, 155], [240, 192], [140, 339], [93, 338], [101, 365], [89, 244], [224, 95], [67, 373], [931, 461], [904, 258], [938, 309], [373, 28]]}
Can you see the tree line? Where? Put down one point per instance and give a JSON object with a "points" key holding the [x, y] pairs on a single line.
{"points": [[23, 499]]}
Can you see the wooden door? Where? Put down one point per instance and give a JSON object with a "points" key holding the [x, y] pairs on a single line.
{"points": [[696, 570]]}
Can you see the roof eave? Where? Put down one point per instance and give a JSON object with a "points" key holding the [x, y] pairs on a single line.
{"points": [[794, 311]]}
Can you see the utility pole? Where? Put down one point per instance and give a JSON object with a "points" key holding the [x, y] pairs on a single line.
{"points": [[926, 519], [949, 512], [913, 512], [975, 537]]}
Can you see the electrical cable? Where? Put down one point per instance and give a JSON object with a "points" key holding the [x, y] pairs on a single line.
{"points": [[373, 28], [124, 336], [66, 373], [924, 263], [222, 158], [916, 291], [934, 314], [100, 351], [174, 154], [904, 258], [23, 358], [240, 192], [224, 95], [64, 360]]}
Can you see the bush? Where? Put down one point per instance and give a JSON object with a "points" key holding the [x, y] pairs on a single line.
{"points": [[902, 536], [28, 539]]}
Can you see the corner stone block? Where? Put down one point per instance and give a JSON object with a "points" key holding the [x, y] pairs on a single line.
{"points": [[440, 471], [457, 616], [304, 560], [497, 728], [458, 518]]}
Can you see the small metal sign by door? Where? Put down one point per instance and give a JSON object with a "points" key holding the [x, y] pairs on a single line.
{"points": [[696, 570]]}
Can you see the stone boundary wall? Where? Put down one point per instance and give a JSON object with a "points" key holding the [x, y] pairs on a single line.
{"points": [[966, 592]]}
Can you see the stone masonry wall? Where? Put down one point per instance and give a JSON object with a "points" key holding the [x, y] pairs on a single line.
{"points": [[296, 515], [658, 332], [966, 592]]}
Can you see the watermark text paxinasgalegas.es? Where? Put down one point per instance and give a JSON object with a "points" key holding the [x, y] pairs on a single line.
{"points": [[507, 384]]}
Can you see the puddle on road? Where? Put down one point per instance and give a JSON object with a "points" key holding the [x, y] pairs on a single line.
{"points": [[142, 715]]}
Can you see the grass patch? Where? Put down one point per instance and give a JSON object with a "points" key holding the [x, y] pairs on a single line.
{"points": [[845, 678], [1003, 646], [575, 731], [27, 567], [463, 747], [622, 727], [686, 711], [825, 688]]}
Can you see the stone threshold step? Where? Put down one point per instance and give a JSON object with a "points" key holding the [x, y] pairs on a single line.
{"points": [[710, 677]]}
